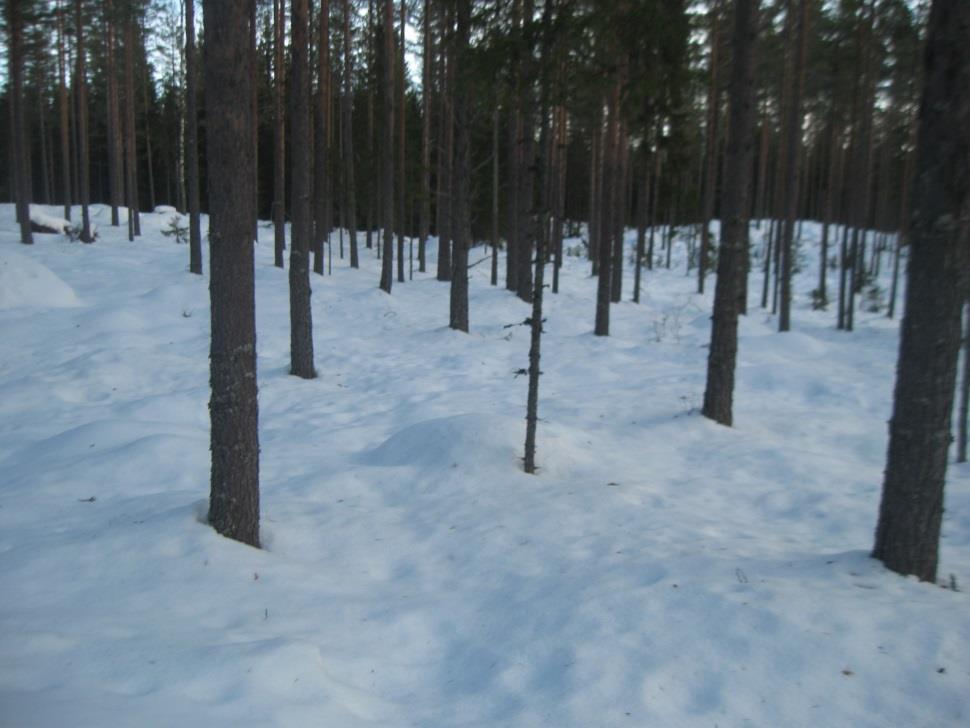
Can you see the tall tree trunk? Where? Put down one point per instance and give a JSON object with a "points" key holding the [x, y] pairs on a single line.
{"points": [[84, 161], [495, 192], [964, 388], [192, 142], [387, 150], [229, 73], [910, 514], [461, 215], [710, 148], [21, 144], [722, 356], [131, 145], [63, 106], [607, 197], [425, 208], [301, 320], [527, 175], [279, 133], [116, 154], [401, 177], [321, 147], [793, 130], [347, 104]]}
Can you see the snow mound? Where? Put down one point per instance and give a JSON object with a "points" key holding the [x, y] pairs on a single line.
{"points": [[25, 282], [466, 441], [45, 223]]}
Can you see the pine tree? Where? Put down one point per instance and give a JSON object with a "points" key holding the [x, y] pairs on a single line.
{"points": [[910, 514], [229, 73]]}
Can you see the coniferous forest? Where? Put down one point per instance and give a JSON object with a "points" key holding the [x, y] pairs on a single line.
{"points": [[542, 350]]}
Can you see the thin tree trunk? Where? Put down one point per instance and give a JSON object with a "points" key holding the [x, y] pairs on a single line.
{"points": [[710, 149], [301, 320], [116, 154], [722, 357], [84, 170], [64, 116], [21, 144], [425, 208], [279, 133], [461, 213], [964, 388], [321, 147], [793, 128], [192, 142], [401, 177], [495, 176], [609, 183], [348, 113], [387, 150]]}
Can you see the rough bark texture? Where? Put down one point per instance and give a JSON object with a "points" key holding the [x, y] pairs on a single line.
{"points": [[279, 135], [321, 147], [301, 320], [20, 142], [229, 67], [387, 151], [84, 164], [710, 148], [131, 142], [461, 218], [908, 532], [192, 142], [793, 131], [722, 356], [424, 221], [63, 107], [607, 193], [116, 185], [347, 105]]}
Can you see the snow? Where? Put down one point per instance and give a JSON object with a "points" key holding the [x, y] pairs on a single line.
{"points": [[660, 570]]}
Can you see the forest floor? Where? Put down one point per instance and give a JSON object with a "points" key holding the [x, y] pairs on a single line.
{"points": [[660, 570]]}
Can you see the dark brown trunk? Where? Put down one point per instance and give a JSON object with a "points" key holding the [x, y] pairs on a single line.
{"points": [[722, 356], [461, 215], [116, 154], [321, 147], [63, 106], [279, 133], [84, 159], [301, 320], [424, 222], [710, 149], [387, 150], [347, 104], [910, 514], [229, 73], [192, 142], [21, 144]]}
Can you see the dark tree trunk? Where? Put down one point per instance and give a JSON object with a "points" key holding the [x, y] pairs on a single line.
{"points": [[607, 196], [321, 147], [793, 131], [526, 141], [461, 217], [63, 106], [301, 320], [617, 212], [116, 154], [131, 132], [495, 195], [964, 389], [84, 159], [21, 145], [722, 356], [424, 222], [401, 177], [229, 72], [347, 104], [710, 149], [446, 135], [387, 150], [908, 532], [192, 142], [279, 133]]}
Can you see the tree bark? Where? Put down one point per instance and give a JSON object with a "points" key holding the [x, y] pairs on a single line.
{"points": [[229, 73], [910, 514], [387, 150], [347, 104], [321, 147], [21, 145], [192, 142], [722, 355], [301, 319], [84, 162], [116, 154], [710, 148], [279, 133], [461, 218]]}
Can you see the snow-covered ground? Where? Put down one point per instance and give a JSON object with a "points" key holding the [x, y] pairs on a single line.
{"points": [[659, 571]]}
